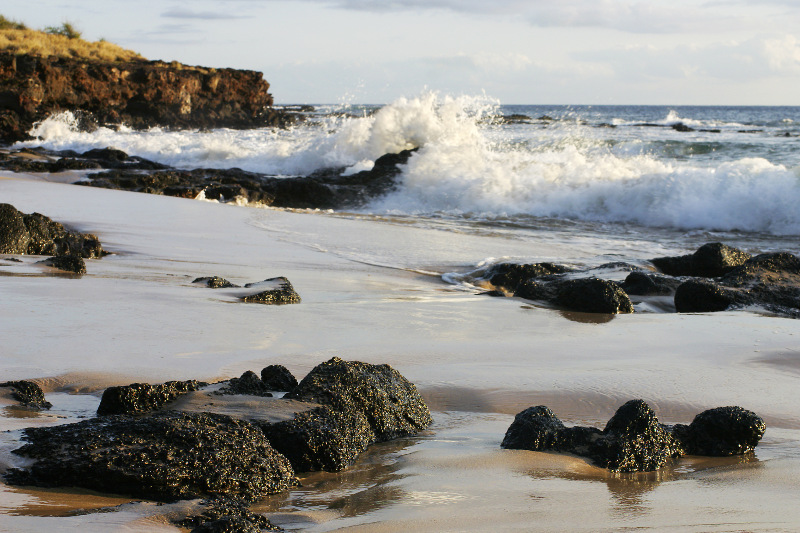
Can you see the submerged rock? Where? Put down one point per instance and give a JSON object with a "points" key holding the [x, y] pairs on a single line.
{"points": [[510, 275], [634, 440], [227, 515], [36, 234], [140, 398], [167, 456], [28, 393], [279, 292], [215, 282], [68, 263]]}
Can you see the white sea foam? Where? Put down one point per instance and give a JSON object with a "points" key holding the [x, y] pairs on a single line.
{"points": [[468, 165]]}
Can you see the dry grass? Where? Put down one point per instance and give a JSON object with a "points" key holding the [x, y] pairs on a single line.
{"points": [[45, 44]]}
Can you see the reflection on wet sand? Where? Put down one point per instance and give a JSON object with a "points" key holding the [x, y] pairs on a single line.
{"points": [[366, 487]]}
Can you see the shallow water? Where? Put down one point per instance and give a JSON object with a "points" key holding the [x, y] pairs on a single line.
{"points": [[373, 290]]}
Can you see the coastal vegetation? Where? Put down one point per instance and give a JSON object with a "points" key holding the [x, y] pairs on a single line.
{"points": [[58, 41]]}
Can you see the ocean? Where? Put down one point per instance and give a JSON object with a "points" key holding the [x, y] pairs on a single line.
{"points": [[389, 283]]}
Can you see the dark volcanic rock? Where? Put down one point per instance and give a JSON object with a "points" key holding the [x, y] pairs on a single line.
{"points": [[140, 398], [321, 190], [710, 260], [68, 263], [168, 456], [248, 383], [633, 440], [279, 292], [321, 439], [722, 431], [14, 236], [36, 234], [510, 275], [227, 515], [278, 378], [28, 393], [592, 295], [696, 296], [139, 94], [391, 404], [215, 282], [768, 280], [644, 284], [587, 295], [537, 428]]}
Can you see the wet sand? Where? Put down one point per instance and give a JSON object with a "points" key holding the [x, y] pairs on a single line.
{"points": [[372, 291]]}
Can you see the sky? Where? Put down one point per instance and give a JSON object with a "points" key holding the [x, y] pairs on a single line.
{"points": [[594, 52]]}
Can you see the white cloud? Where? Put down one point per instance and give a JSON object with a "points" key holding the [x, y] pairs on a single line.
{"points": [[782, 54]]}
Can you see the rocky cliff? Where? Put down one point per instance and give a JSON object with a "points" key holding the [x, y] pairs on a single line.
{"points": [[139, 94]]}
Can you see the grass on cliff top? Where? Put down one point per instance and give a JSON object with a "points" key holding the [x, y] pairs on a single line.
{"points": [[26, 41]]}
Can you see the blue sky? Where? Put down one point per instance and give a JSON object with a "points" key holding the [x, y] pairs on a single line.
{"points": [[726, 52]]}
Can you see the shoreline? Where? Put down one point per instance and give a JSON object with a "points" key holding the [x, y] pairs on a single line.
{"points": [[136, 317]]}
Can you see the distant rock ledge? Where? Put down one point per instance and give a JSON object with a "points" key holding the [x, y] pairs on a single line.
{"points": [[139, 94]]}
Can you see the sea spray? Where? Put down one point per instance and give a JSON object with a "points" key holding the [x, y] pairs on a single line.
{"points": [[473, 167]]}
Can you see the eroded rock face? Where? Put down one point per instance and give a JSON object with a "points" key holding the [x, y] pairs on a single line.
{"points": [[391, 404], [36, 234], [166, 457], [634, 440], [139, 94], [140, 398], [27, 393]]}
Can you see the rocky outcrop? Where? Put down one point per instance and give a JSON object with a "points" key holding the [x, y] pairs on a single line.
{"points": [[36, 234], [277, 291], [634, 440], [167, 456], [321, 439], [588, 295], [361, 404], [392, 405], [139, 94], [138, 398], [710, 260], [771, 281], [28, 394]]}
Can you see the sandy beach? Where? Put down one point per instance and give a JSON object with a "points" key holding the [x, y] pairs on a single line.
{"points": [[372, 290]]}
